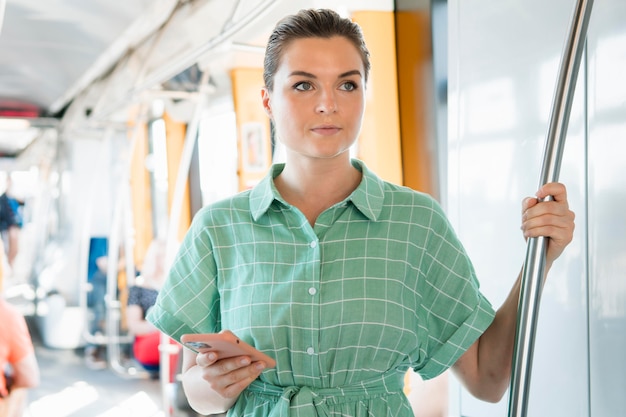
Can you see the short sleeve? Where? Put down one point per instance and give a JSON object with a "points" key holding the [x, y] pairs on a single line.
{"points": [[189, 299], [453, 310]]}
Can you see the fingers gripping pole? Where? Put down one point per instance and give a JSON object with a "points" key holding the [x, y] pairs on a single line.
{"points": [[534, 266]]}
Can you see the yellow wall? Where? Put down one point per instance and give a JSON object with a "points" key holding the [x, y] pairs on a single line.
{"points": [[415, 80], [253, 132], [379, 143], [140, 193], [140, 184], [175, 134]]}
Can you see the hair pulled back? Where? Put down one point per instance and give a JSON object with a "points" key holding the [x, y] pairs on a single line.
{"points": [[311, 23]]}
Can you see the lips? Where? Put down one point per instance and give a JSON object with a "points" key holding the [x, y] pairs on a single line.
{"points": [[326, 130]]}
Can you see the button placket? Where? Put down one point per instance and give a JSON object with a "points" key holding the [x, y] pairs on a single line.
{"points": [[313, 291]]}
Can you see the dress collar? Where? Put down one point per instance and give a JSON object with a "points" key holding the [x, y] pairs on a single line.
{"points": [[368, 197]]}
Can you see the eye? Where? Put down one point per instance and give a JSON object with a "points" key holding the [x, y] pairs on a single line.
{"points": [[303, 86], [348, 86]]}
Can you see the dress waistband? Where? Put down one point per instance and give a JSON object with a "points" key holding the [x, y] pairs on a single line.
{"points": [[312, 402]]}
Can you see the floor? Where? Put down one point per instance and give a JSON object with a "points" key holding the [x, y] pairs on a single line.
{"points": [[70, 389]]}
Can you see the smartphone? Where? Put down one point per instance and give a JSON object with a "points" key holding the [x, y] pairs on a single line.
{"points": [[226, 345]]}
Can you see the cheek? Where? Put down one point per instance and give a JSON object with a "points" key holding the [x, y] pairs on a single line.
{"points": [[356, 111], [287, 113], [277, 107], [360, 114], [286, 126]]}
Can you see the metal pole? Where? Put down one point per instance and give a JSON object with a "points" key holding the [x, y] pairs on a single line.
{"points": [[534, 266]]}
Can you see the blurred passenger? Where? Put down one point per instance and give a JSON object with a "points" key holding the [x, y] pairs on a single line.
{"points": [[141, 297], [97, 278], [17, 205], [10, 223], [18, 363]]}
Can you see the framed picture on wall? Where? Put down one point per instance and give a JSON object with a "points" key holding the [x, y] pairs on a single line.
{"points": [[254, 147]]}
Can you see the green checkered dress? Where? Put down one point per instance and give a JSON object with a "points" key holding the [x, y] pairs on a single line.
{"points": [[381, 284]]}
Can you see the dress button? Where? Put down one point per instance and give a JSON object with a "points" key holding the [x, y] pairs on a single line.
{"points": [[313, 244], [310, 351], [312, 291]]}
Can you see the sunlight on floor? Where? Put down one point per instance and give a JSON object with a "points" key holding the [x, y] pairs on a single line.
{"points": [[64, 402], [70, 400], [139, 405]]}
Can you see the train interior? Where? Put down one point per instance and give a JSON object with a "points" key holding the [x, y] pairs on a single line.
{"points": [[120, 120]]}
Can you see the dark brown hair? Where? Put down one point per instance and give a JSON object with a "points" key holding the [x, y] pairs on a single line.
{"points": [[311, 23]]}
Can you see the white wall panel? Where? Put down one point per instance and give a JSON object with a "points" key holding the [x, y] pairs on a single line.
{"points": [[504, 58], [607, 208]]}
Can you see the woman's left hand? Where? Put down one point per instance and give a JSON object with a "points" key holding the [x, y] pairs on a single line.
{"points": [[550, 218]]}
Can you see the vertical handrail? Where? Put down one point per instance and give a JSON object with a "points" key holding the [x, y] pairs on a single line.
{"points": [[534, 266]]}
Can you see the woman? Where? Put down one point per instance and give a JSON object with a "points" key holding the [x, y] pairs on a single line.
{"points": [[345, 279]]}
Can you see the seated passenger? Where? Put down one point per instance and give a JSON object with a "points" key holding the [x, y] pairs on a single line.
{"points": [[19, 370], [141, 297]]}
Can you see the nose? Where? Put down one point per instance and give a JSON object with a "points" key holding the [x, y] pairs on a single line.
{"points": [[327, 102]]}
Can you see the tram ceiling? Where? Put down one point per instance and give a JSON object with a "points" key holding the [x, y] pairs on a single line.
{"points": [[52, 52], [45, 46], [209, 35]]}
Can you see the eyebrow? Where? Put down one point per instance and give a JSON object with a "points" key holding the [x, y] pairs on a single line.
{"points": [[343, 75]]}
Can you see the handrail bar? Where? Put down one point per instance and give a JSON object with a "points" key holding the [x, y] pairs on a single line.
{"points": [[534, 265]]}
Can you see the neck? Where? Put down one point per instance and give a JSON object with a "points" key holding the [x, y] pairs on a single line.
{"points": [[315, 187]]}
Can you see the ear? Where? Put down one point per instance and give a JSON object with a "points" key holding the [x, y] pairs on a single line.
{"points": [[266, 99]]}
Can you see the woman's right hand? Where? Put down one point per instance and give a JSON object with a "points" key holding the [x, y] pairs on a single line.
{"points": [[212, 385], [230, 376]]}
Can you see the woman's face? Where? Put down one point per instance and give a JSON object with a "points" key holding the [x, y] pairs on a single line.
{"points": [[318, 98]]}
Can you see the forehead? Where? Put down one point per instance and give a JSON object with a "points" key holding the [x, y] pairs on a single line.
{"points": [[307, 54]]}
